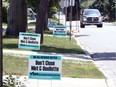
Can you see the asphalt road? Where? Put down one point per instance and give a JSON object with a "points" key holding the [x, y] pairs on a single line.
{"points": [[100, 43]]}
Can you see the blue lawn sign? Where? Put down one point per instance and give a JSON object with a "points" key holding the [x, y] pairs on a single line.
{"points": [[59, 31], [29, 41], [52, 23], [46, 67]]}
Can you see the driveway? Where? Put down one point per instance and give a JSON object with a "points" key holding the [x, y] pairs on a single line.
{"points": [[100, 43]]}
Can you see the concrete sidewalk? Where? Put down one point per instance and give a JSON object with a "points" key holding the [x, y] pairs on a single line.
{"points": [[68, 82], [23, 81]]}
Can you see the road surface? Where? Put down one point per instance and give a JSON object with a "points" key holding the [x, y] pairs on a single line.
{"points": [[100, 43]]}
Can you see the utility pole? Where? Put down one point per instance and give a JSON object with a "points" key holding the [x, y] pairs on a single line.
{"points": [[72, 3], [1, 54], [115, 10], [66, 5], [70, 21]]}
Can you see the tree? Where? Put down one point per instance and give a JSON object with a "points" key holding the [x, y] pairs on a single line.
{"points": [[1, 53], [4, 10], [105, 6], [32, 4], [84, 4], [111, 9], [17, 17], [53, 6], [41, 19], [75, 11]]}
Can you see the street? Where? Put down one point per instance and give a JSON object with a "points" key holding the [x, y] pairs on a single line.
{"points": [[100, 43]]}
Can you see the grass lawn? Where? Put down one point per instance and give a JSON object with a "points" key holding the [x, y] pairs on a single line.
{"points": [[51, 44], [15, 64], [18, 65], [114, 23]]}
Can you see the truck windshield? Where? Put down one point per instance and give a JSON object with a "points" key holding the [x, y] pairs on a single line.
{"points": [[91, 12]]}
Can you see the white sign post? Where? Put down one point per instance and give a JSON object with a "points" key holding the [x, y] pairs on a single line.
{"points": [[46, 67], [72, 2], [66, 3]]}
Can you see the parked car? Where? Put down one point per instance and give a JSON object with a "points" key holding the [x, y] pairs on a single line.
{"points": [[31, 14], [90, 17]]}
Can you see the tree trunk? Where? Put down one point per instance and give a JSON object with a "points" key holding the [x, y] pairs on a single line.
{"points": [[75, 11], [42, 8], [1, 52], [17, 17], [46, 22]]}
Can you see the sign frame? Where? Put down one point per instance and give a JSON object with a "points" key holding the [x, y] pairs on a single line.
{"points": [[52, 23], [29, 41], [60, 31], [46, 67]]}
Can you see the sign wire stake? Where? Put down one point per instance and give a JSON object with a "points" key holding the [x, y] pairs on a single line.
{"points": [[37, 83], [51, 82]]}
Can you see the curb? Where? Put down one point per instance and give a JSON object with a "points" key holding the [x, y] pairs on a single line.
{"points": [[85, 49]]}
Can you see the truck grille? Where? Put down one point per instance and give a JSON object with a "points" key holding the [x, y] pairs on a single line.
{"points": [[92, 19]]}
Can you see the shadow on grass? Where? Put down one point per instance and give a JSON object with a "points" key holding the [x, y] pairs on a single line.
{"points": [[48, 49], [60, 50], [10, 42], [81, 35], [10, 46]]}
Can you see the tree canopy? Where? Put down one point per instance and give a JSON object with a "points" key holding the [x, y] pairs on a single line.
{"points": [[107, 7], [17, 9]]}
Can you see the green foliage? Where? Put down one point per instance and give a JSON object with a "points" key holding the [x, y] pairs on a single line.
{"points": [[14, 81], [54, 9], [32, 4], [4, 10], [9, 82], [53, 6], [84, 5], [4, 18], [107, 7]]}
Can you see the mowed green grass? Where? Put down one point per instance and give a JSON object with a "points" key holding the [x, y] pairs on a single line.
{"points": [[18, 65], [51, 44], [80, 69]]}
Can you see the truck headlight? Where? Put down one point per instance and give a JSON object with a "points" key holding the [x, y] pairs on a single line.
{"points": [[84, 19], [100, 19]]}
